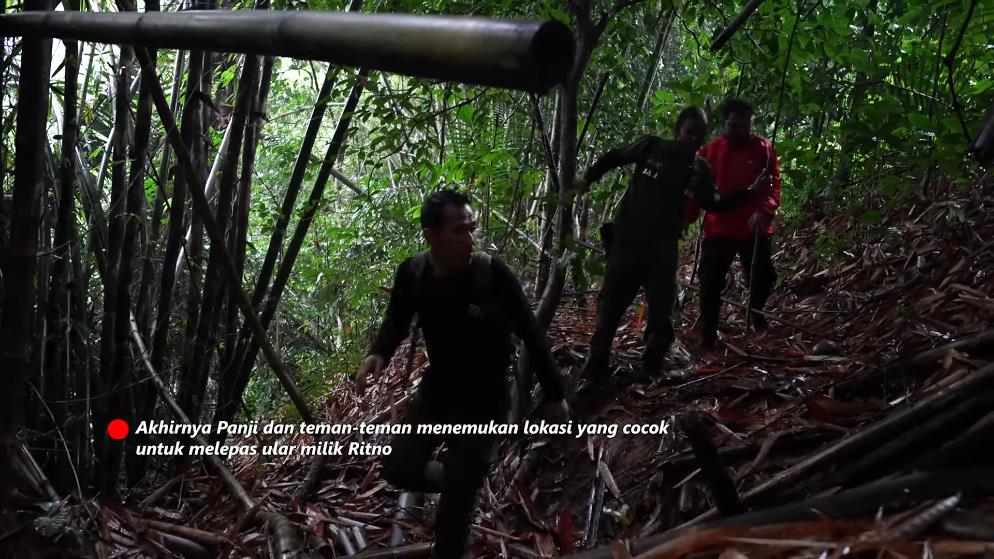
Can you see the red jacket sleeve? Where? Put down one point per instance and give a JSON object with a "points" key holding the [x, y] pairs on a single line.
{"points": [[772, 200]]}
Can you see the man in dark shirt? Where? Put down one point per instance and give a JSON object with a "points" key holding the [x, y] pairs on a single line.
{"points": [[648, 226], [468, 305]]}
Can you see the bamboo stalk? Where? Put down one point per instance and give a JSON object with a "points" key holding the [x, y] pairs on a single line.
{"points": [[19, 258], [524, 55], [734, 26]]}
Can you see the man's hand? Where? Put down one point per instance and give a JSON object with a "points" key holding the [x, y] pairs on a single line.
{"points": [[759, 221], [372, 365], [557, 412]]}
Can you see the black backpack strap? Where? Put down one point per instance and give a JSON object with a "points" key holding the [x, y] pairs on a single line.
{"points": [[483, 279]]}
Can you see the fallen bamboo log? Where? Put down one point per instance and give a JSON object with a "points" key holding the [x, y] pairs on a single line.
{"points": [[164, 488], [863, 501], [969, 524], [915, 363], [870, 438], [405, 502], [905, 446], [530, 56], [793, 441], [283, 542], [973, 446]]}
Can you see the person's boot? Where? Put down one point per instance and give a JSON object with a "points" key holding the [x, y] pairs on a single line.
{"points": [[594, 374], [657, 347]]}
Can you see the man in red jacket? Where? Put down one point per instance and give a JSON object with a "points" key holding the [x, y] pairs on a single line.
{"points": [[739, 160]]}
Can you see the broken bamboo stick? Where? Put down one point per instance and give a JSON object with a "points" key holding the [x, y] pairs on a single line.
{"points": [[723, 491], [525, 55]]}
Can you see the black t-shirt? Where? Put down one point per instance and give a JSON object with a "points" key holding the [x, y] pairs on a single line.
{"points": [[467, 334]]}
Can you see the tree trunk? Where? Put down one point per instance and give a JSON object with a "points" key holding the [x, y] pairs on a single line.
{"points": [[144, 310], [198, 152], [59, 322], [856, 102], [296, 179], [657, 52], [242, 209], [567, 176], [78, 430], [191, 390], [548, 206], [136, 212], [18, 258], [108, 452]]}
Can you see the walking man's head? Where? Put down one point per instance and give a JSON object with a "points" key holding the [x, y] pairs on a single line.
{"points": [[738, 120], [448, 225], [692, 128]]}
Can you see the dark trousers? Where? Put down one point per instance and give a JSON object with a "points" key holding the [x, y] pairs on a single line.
{"points": [[630, 267], [410, 466], [717, 256]]}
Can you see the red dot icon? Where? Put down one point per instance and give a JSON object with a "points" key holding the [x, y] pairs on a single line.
{"points": [[117, 429]]}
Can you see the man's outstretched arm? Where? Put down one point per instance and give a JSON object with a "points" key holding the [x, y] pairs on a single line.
{"points": [[617, 157]]}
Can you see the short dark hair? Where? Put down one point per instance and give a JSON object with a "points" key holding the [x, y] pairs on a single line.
{"points": [[691, 112], [737, 106], [433, 208]]}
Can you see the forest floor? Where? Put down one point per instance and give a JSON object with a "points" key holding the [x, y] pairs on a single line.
{"points": [[816, 407]]}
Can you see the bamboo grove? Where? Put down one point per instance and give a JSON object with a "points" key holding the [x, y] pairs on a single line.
{"points": [[313, 174]]}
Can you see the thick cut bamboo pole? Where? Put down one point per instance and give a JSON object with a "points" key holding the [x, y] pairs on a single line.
{"points": [[526, 55]]}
